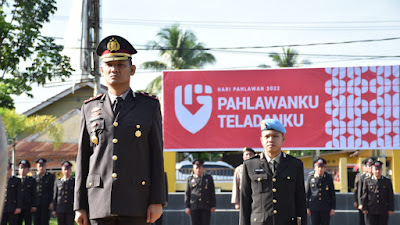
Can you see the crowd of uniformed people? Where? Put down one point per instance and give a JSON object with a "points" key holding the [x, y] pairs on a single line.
{"points": [[33, 198]]}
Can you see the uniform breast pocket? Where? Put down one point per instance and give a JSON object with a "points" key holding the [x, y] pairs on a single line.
{"points": [[260, 183]]}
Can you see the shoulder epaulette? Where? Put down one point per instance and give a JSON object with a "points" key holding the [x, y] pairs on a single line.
{"points": [[148, 95], [93, 98]]}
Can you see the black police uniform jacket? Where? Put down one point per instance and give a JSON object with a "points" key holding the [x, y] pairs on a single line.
{"points": [[44, 188], [28, 189], [119, 167], [63, 201], [279, 196], [200, 192], [320, 192], [377, 195], [13, 197]]}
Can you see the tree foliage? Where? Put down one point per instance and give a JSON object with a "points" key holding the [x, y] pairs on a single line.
{"points": [[289, 58], [179, 50], [26, 56]]}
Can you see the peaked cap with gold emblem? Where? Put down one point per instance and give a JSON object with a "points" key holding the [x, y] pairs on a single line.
{"points": [[115, 48]]}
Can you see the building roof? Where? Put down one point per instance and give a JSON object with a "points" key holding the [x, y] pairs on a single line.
{"points": [[60, 95]]}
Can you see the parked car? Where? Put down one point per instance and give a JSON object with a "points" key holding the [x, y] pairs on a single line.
{"points": [[220, 171]]}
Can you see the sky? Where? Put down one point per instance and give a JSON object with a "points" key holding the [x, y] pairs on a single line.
{"points": [[240, 34]]}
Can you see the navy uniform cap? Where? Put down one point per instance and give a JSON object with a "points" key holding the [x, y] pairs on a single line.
{"points": [[247, 149], [198, 162], [41, 161], [272, 124], [115, 48], [66, 164], [370, 161], [320, 162], [377, 164], [25, 163]]}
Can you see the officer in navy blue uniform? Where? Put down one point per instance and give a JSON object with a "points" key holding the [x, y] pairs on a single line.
{"points": [[120, 167], [200, 199], [273, 183], [12, 200], [377, 197], [320, 194], [63, 200], [28, 189], [44, 193], [358, 186]]}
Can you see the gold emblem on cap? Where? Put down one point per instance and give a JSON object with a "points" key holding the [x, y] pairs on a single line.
{"points": [[138, 133], [113, 45], [95, 139]]}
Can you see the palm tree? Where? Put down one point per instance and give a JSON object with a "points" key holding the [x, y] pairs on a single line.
{"points": [[180, 50], [288, 59], [16, 124]]}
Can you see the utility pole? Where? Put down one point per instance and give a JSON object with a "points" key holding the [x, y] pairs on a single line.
{"points": [[90, 63]]}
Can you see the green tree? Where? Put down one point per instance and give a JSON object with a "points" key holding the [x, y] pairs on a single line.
{"points": [[16, 124], [26, 56], [180, 49], [289, 58]]}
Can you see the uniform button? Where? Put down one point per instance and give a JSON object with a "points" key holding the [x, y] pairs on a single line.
{"points": [[255, 219], [200, 189], [377, 196], [259, 179], [65, 201], [273, 189], [115, 141], [143, 183], [114, 175], [288, 178], [90, 184], [199, 199], [320, 189], [199, 194], [138, 126], [115, 124], [273, 179], [274, 201], [320, 199], [377, 201], [5, 200], [275, 211], [319, 194], [114, 157]]}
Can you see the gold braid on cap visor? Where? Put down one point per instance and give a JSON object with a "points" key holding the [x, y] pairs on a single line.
{"points": [[115, 57]]}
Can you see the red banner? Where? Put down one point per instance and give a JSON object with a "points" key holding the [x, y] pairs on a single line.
{"points": [[323, 108]]}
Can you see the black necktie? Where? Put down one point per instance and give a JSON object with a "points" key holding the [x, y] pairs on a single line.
{"points": [[117, 105], [272, 165]]}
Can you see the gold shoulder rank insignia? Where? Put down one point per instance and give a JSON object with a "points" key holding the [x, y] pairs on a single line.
{"points": [[93, 98], [148, 95]]}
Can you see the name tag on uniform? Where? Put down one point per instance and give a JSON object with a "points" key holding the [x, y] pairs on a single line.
{"points": [[260, 170]]}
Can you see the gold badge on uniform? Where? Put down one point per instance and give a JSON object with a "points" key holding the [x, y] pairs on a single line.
{"points": [[138, 133], [95, 139], [327, 188]]}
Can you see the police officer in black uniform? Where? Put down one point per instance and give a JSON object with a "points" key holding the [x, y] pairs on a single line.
{"points": [[28, 189], [120, 167], [200, 199], [273, 183], [377, 197], [12, 200], [63, 201], [320, 193], [44, 193], [358, 185]]}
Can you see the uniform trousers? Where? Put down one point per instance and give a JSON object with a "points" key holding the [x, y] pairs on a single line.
{"points": [[25, 215], [65, 218], [42, 215], [320, 217], [361, 217], [9, 218], [120, 220], [159, 221], [380, 219], [200, 216]]}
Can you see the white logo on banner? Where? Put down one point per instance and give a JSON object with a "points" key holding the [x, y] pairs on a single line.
{"points": [[193, 122], [364, 108]]}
